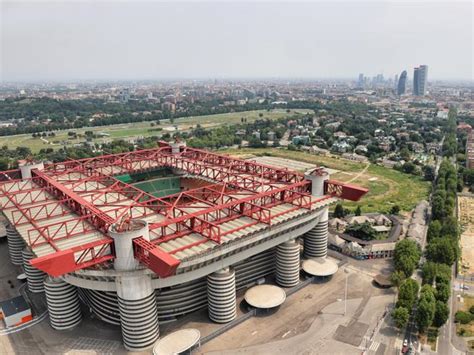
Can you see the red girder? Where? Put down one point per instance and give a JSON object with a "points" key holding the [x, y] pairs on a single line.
{"points": [[75, 202], [343, 190], [76, 258], [162, 263]]}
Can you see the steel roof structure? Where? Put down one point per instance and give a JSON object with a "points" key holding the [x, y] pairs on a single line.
{"points": [[64, 211]]}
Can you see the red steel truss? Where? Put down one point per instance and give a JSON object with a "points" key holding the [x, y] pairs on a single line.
{"points": [[87, 187]]}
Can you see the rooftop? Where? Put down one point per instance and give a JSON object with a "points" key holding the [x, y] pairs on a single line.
{"points": [[64, 211]]}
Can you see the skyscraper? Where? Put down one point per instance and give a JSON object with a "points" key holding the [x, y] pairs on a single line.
{"points": [[420, 76], [360, 83], [402, 83]]}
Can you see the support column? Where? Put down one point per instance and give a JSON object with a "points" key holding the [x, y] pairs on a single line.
{"points": [[34, 276], [63, 304], [15, 245], [221, 295], [316, 240], [288, 264], [136, 296], [138, 311]]}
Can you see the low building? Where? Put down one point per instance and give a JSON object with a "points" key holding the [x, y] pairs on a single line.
{"points": [[355, 157], [15, 311]]}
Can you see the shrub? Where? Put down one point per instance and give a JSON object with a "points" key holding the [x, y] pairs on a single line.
{"points": [[463, 317]]}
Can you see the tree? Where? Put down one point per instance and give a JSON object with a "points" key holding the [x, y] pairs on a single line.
{"points": [[409, 168], [428, 173], [424, 314], [405, 154], [442, 292], [443, 274], [395, 209], [426, 308], [450, 227], [358, 211], [442, 250], [437, 206], [397, 278], [441, 314], [406, 256], [4, 164], [434, 230], [407, 293], [429, 272], [363, 231], [462, 317], [468, 175], [400, 315], [339, 211]]}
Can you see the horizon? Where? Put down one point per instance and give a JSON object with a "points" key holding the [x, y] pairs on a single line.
{"points": [[62, 41]]}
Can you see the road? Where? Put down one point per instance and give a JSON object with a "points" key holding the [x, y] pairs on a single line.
{"points": [[444, 338]]}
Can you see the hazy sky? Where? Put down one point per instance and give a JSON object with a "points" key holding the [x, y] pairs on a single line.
{"points": [[67, 40]]}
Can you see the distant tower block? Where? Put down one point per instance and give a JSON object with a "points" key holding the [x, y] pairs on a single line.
{"points": [[34, 277], [288, 264], [138, 312], [15, 245], [316, 240], [63, 304], [221, 294]]}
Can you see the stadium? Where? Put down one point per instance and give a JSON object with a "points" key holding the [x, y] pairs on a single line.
{"points": [[144, 237]]}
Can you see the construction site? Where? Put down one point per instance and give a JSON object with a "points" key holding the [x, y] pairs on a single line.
{"points": [[142, 239]]}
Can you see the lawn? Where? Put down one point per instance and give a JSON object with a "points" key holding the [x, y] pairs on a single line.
{"points": [[143, 129], [466, 330], [387, 187]]}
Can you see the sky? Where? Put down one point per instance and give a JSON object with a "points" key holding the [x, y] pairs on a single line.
{"points": [[125, 40]]}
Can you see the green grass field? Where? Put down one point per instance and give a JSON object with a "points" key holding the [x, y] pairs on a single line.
{"points": [[387, 187], [138, 129]]}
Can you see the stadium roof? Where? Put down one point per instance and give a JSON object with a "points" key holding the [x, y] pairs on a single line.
{"points": [[64, 211]]}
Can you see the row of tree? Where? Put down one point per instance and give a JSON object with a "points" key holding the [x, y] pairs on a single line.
{"points": [[442, 249]]}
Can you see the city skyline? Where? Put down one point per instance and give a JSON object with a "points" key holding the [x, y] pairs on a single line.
{"points": [[121, 41]]}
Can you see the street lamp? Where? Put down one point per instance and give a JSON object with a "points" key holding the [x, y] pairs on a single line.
{"points": [[345, 290]]}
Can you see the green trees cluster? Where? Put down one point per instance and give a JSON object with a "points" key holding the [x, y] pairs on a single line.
{"points": [[363, 231], [47, 114], [407, 294], [426, 308], [450, 144], [443, 232], [406, 256]]}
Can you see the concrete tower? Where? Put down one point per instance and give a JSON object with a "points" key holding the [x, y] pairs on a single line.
{"points": [[135, 293]]}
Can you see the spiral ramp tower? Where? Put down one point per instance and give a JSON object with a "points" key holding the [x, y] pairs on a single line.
{"points": [[63, 304], [288, 264], [136, 296], [139, 322], [34, 277], [15, 245], [316, 241], [221, 295]]}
